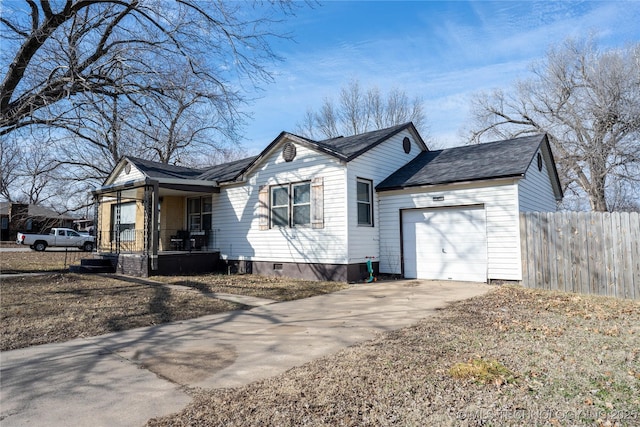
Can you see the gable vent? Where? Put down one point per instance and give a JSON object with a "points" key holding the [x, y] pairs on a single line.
{"points": [[289, 152], [540, 162], [406, 145]]}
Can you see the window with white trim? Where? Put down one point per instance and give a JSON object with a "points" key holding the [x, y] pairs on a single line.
{"points": [[199, 213], [291, 205], [364, 198], [280, 206], [123, 224], [301, 204]]}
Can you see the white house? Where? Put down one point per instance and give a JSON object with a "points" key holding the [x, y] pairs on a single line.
{"points": [[322, 209]]}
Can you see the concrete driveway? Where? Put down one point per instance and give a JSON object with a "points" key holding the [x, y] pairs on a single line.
{"points": [[123, 379]]}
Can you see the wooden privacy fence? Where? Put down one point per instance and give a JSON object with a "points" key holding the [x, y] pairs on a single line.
{"points": [[585, 252]]}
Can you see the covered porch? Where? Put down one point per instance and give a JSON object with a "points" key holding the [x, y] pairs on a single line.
{"points": [[157, 226]]}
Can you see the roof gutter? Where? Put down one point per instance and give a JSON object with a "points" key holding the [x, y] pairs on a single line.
{"points": [[435, 184], [148, 181]]}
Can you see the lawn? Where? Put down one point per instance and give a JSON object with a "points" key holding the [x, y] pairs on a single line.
{"points": [[511, 357], [275, 288], [56, 306], [59, 307], [32, 261]]}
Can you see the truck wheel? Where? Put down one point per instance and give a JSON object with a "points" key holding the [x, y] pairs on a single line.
{"points": [[87, 247], [40, 246]]}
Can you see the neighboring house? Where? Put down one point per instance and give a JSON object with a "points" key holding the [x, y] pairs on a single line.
{"points": [[15, 217], [322, 209]]}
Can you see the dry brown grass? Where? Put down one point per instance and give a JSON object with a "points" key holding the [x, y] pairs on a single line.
{"points": [[32, 261], [275, 288], [557, 359], [58, 307]]}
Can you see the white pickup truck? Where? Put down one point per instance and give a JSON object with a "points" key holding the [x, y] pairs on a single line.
{"points": [[58, 237]]}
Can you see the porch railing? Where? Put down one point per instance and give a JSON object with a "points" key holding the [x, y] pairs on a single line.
{"points": [[134, 240]]}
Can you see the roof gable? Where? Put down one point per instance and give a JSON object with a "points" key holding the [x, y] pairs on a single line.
{"points": [[350, 147], [161, 170], [499, 159], [136, 168], [344, 149]]}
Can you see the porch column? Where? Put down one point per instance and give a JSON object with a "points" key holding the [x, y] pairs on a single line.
{"points": [[116, 221], [152, 239], [97, 221]]}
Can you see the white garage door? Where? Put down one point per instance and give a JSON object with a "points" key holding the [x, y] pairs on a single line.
{"points": [[445, 244]]}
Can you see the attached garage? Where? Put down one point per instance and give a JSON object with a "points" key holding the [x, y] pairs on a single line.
{"points": [[453, 214], [448, 243]]}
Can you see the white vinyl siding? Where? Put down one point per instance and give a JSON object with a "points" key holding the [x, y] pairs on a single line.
{"points": [[134, 175], [535, 193], [501, 207], [237, 213], [375, 165]]}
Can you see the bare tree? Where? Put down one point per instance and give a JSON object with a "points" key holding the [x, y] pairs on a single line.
{"points": [[26, 170], [97, 76], [188, 118], [97, 135], [38, 167], [56, 51], [354, 110], [588, 102], [10, 162], [359, 111]]}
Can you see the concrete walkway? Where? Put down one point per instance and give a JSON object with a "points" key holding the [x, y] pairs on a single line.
{"points": [[123, 379]]}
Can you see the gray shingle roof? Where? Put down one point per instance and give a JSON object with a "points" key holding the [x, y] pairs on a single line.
{"points": [[226, 171], [350, 147], [160, 170], [468, 163], [344, 148], [37, 211], [222, 172]]}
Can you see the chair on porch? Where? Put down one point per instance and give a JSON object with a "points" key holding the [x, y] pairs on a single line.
{"points": [[199, 239], [182, 241]]}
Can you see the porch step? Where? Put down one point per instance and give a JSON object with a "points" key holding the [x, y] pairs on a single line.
{"points": [[96, 262], [93, 265]]}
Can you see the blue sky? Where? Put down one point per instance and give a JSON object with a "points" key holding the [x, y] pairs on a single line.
{"points": [[441, 51]]}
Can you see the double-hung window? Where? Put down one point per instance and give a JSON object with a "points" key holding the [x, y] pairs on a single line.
{"points": [[194, 220], [291, 205], [280, 206], [301, 204], [364, 200], [199, 213], [123, 221]]}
